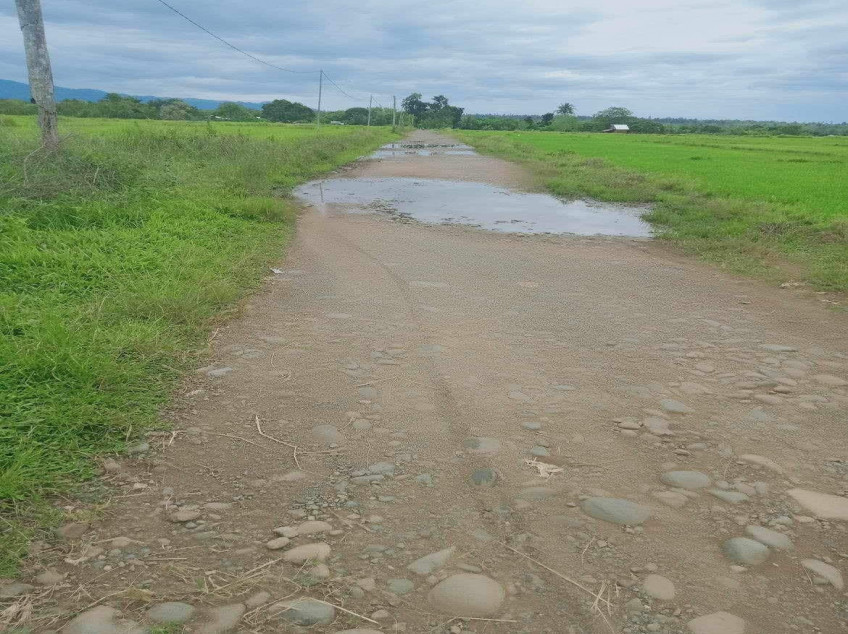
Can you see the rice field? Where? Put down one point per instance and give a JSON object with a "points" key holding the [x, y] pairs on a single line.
{"points": [[775, 207]]}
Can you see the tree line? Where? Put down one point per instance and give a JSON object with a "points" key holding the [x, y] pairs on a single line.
{"points": [[437, 113], [115, 106]]}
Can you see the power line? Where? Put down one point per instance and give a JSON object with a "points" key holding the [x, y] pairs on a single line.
{"points": [[258, 59], [340, 89], [232, 46]]}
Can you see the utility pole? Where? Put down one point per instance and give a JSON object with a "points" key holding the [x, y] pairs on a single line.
{"points": [[38, 66], [370, 98], [394, 111], [320, 89]]}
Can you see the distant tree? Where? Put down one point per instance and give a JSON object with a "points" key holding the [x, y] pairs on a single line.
{"points": [[355, 116], [118, 106], [614, 114], [439, 102], [529, 121], [234, 112], [284, 111], [76, 108], [414, 105], [547, 118], [565, 109], [177, 110]]}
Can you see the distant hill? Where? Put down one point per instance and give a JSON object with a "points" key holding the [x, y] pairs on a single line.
{"points": [[18, 90]]}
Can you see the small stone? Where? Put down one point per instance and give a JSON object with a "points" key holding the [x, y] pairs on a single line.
{"points": [[102, 620], [15, 589], [769, 537], [468, 595], [717, 623], [762, 461], [314, 527], [380, 615], [658, 587], [484, 477], [279, 542], [222, 619], [616, 510], [823, 505], [368, 584], [73, 531], [170, 613], [732, 497], [359, 630], [531, 426], [327, 434], [482, 445], [138, 448], [776, 347], [432, 562], [291, 476], [671, 498], [825, 571], [829, 380], [400, 586], [286, 531], [318, 551], [690, 480], [305, 611], [255, 600], [180, 517], [745, 551], [384, 468], [49, 578]]}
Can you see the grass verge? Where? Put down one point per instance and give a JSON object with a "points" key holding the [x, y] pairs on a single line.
{"points": [[716, 207], [116, 257]]}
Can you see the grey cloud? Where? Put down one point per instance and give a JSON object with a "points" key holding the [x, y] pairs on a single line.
{"points": [[736, 59]]}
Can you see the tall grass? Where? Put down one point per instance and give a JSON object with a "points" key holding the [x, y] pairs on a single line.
{"points": [[116, 256], [772, 207]]}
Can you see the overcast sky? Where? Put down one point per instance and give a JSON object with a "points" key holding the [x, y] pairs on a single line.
{"points": [[761, 59]]}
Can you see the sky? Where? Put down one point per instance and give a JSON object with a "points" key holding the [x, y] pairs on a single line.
{"points": [[757, 59]]}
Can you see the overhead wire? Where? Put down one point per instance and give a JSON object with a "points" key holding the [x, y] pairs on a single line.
{"points": [[233, 46], [259, 59]]}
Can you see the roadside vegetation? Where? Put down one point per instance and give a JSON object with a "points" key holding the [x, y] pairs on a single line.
{"points": [[772, 207], [117, 256]]}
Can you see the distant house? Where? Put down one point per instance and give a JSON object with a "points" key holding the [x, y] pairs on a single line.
{"points": [[336, 123], [619, 128]]}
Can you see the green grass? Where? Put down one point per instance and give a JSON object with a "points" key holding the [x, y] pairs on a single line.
{"points": [[116, 257], [775, 207]]}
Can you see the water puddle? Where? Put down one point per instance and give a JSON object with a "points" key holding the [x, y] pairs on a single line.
{"points": [[436, 201], [397, 150]]}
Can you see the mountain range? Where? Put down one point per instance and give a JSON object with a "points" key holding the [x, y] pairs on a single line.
{"points": [[17, 90]]}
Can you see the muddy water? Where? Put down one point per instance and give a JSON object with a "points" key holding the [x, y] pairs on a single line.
{"points": [[436, 201], [398, 150]]}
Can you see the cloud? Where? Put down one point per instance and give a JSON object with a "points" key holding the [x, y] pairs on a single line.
{"points": [[708, 58]]}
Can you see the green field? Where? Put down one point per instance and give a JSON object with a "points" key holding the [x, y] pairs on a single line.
{"points": [[116, 258], [776, 207]]}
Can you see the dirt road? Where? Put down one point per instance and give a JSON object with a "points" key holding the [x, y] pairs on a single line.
{"points": [[399, 390]]}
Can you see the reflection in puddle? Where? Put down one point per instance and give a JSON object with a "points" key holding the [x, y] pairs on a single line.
{"points": [[397, 150], [455, 202]]}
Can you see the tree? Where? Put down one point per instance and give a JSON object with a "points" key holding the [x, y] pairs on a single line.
{"points": [[117, 106], [414, 105], [355, 116], [439, 102], [284, 111], [613, 114], [38, 67], [234, 112], [547, 118], [176, 110], [565, 109]]}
